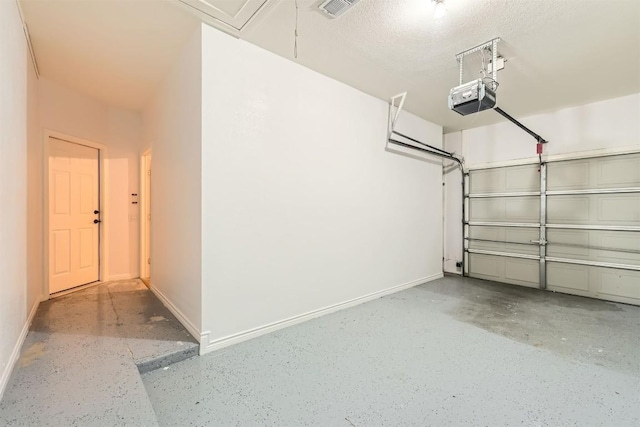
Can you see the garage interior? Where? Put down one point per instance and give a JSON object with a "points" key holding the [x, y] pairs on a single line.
{"points": [[418, 212]]}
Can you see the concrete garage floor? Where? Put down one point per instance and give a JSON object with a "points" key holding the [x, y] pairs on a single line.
{"points": [[451, 352]]}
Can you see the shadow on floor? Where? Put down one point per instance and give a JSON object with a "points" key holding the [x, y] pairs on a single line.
{"points": [[585, 329]]}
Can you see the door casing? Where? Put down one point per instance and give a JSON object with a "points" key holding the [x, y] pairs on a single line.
{"points": [[145, 210]]}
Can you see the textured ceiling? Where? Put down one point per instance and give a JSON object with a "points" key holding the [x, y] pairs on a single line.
{"points": [[560, 52]]}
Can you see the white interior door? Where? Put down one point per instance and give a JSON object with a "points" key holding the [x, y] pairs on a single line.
{"points": [[73, 211]]}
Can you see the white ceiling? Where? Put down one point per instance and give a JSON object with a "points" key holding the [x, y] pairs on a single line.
{"points": [[560, 52], [115, 50]]}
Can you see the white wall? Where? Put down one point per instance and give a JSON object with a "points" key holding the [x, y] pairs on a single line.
{"points": [[65, 110], [13, 187], [303, 209], [35, 254], [600, 125], [597, 127], [173, 123]]}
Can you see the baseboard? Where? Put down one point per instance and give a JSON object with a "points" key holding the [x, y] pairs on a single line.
{"points": [[176, 312], [125, 276], [207, 346], [15, 354]]}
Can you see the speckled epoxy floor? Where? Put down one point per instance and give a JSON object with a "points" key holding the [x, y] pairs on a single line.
{"points": [[80, 362], [450, 352]]}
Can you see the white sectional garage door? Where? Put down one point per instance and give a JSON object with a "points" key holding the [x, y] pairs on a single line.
{"points": [[570, 226]]}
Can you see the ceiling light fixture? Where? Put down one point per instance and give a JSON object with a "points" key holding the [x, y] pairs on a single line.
{"points": [[440, 10]]}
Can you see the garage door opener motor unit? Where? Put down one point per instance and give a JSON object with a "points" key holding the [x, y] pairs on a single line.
{"points": [[472, 97], [480, 94]]}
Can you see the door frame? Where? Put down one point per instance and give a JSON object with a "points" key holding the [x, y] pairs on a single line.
{"points": [[144, 202], [103, 273]]}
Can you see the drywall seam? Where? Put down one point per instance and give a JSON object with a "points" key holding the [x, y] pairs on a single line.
{"points": [[206, 346], [176, 312], [15, 354]]}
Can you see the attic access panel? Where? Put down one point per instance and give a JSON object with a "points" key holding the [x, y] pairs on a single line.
{"points": [[229, 15]]}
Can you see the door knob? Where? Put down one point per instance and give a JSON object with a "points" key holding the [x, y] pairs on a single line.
{"points": [[96, 212], [95, 221]]}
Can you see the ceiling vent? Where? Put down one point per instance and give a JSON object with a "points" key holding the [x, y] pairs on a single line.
{"points": [[335, 8]]}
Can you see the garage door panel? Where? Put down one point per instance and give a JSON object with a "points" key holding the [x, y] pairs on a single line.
{"points": [[508, 179], [487, 181], [487, 233], [568, 277], [617, 283], [568, 243], [522, 209], [594, 209], [521, 235], [522, 178], [627, 243], [487, 266], [623, 209], [507, 248], [619, 247], [508, 234], [515, 271], [505, 209], [487, 210], [568, 209], [615, 257], [479, 235], [619, 171], [568, 176], [522, 271], [500, 238], [622, 171], [611, 284]]}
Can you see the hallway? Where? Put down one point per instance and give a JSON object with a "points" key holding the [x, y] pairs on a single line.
{"points": [[80, 361]]}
